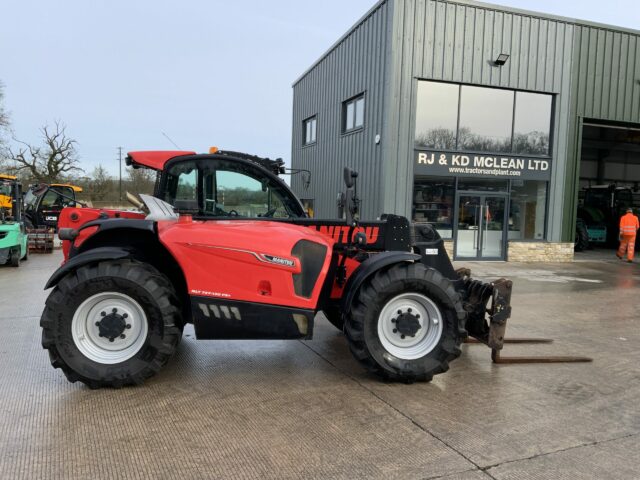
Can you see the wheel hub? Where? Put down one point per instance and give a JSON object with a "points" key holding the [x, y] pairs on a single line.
{"points": [[109, 327], [407, 324], [112, 325], [410, 325]]}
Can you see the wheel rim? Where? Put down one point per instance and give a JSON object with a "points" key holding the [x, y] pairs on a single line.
{"points": [[400, 318], [109, 327]]}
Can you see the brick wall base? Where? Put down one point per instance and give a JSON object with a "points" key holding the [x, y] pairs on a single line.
{"points": [[540, 252], [448, 246], [531, 251]]}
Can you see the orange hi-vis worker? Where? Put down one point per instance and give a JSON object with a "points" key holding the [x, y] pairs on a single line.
{"points": [[628, 228]]}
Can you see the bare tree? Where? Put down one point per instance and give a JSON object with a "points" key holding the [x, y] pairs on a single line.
{"points": [[4, 128], [51, 161], [101, 183], [4, 116], [141, 180]]}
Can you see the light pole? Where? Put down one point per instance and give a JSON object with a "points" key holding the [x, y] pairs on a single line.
{"points": [[120, 165]]}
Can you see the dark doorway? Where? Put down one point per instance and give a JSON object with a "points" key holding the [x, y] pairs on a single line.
{"points": [[609, 181]]}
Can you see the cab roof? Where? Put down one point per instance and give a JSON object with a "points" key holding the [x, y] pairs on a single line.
{"points": [[4, 176], [154, 159], [75, 188], [157, 160]]}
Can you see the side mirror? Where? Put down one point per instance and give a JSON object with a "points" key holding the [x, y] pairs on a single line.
{"points": [[340, 202], [350, 197]]}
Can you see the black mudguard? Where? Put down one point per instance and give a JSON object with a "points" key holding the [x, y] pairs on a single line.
{"points": [[369, 267], [91, 256]]}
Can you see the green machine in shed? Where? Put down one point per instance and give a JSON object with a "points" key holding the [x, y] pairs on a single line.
{"points": [[599, 214]]}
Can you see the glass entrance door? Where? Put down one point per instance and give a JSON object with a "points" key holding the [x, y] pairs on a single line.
{"points": [[480, 227]]}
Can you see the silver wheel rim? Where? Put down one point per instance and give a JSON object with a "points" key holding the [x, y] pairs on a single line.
{"points": [[426, 338], [86, 334]]}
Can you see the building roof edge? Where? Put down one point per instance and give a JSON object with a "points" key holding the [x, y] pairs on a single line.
{"points": [[362, 19], [471, 3]]}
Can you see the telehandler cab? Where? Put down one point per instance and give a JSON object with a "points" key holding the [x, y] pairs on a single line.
{"points": [[224, 244], [44, 202]]}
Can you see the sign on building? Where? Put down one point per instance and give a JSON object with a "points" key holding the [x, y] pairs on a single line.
{"points": [[481, 165]]}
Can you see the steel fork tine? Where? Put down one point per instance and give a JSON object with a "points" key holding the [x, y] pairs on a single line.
{"points": [[496, 358], [473, 341]]}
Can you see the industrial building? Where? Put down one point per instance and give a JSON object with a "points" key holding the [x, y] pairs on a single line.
{"points": [[481, 119]]}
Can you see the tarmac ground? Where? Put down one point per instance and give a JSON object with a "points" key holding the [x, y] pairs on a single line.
{"points": [[306, 409]]}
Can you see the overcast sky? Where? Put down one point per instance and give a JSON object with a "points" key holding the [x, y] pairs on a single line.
{"points": [[206, 72]]}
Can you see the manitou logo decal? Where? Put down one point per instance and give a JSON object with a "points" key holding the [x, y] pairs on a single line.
{"points": [[341, 233], [278, 260]]}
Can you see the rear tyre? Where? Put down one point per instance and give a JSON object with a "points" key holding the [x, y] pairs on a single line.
{"points": [[111, 324], [15, 257], [406, 323], [582, 238]]}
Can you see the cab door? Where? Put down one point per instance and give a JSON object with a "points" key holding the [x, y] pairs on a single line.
{"points": [[249, 273], [52, 203]]}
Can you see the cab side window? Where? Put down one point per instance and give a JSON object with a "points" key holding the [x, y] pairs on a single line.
{"points": [[226, 189], [70, 194], [51, 199], [182, 191], [238, 194]]}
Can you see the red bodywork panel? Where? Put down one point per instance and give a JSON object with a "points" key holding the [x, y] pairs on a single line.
{"points": [[225, 259], [233, 246], [155, 160], [76, 217]]}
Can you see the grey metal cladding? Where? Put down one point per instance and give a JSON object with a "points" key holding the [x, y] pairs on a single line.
{"points": [[456, 42], [356, 64], [607, 70]]}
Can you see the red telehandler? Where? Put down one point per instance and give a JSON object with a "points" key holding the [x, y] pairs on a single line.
{"points": [[224, 244]]}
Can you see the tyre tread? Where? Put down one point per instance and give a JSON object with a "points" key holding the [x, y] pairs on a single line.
{"points": [[159, 287], [355, 320]]}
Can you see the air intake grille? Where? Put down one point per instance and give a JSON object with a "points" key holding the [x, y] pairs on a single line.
{"points": [[311, 256]]}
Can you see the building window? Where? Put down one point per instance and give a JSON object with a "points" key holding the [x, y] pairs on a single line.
{"points": [[481, 119], [486, 119], [532, 123], [309, 127], [527, 211], [437, 115], [353, 114], [433, 199]]}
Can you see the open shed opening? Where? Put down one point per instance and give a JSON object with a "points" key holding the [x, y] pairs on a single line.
{"points": [[609, 182]]}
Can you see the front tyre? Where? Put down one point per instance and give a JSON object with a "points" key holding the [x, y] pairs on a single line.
{"points": [[581, 241], [15, 257], [111, 324], [406, 323]]}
